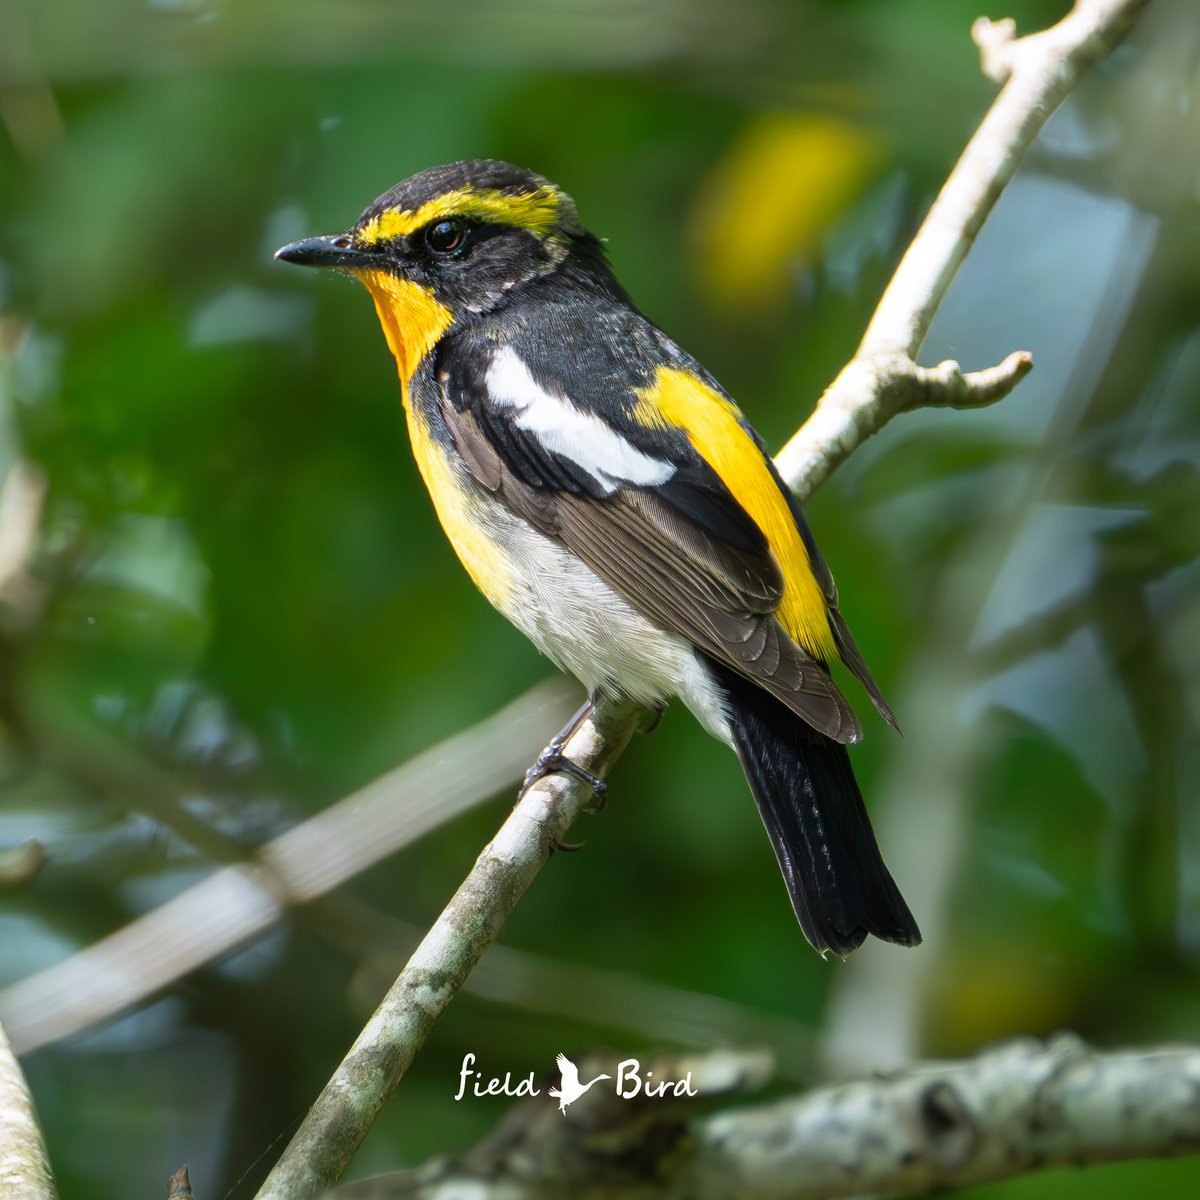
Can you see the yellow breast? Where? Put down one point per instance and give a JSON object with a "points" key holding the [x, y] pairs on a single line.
{"points": [[413, 320]]}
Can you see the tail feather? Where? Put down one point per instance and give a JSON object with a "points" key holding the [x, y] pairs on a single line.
{"points": [[810, 803]]}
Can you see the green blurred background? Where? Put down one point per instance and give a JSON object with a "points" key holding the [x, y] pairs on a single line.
{"points": [[237, 606]]}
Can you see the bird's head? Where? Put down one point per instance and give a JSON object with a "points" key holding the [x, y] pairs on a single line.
{"points": [[450, 241]]}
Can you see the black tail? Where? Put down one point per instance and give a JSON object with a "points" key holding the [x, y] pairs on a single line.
{"points": [[814, 814]]}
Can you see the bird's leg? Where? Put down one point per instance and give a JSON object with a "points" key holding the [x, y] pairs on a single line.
{"points": [[552, 760]]}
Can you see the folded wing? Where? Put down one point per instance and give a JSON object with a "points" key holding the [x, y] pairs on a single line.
{"points": [[650, 517]]}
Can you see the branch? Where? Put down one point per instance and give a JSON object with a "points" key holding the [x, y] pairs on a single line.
{"points": [[1022, 1106], [1038, 72], [877, 1010], [883, 379], [24, 1168], [367, 1076], [879, 382], [869, 391]]}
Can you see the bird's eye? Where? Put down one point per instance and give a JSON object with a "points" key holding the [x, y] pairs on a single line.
{"points": [[446, 236]]}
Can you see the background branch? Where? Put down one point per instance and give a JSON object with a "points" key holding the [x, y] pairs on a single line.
{"points": [[1023, 1106], [239, 901]]}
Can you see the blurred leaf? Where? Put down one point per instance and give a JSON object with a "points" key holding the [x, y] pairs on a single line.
{"points": [[765, 207]]}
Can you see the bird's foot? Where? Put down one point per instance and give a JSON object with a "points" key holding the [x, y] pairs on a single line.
{"points": [[552, 761]]}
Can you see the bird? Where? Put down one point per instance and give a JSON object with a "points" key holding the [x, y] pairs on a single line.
{"points": [[608, 497], [571, 1088]]}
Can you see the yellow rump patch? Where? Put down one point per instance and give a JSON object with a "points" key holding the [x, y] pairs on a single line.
{"points": [[536, 211], [710, 422]]}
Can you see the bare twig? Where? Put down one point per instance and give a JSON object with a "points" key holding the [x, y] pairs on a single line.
{"points": [[870, 390], [24, 1168], [1020, 1107], [881, 381], [1038, 72]]}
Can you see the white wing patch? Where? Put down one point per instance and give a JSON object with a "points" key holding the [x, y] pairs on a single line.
{"points": [[581, 437]]}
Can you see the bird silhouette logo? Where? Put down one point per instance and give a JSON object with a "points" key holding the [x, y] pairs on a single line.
{"points": [[571, 1088]]}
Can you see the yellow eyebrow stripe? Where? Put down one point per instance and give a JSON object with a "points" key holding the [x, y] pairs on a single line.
{"points": [[536, 211], [710, 422]]}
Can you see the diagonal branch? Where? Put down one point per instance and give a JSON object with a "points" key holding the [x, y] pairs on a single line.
{"points": [[1038, 72], [882, 380], [336, 1124]]}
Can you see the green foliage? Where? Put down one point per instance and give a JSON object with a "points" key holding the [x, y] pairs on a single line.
{"points": [[239, 580]]}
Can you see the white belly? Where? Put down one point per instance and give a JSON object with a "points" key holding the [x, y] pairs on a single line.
{"points": [[588, 629]]}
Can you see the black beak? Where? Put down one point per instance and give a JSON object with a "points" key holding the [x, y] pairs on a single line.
{"points": [[333, 250]]}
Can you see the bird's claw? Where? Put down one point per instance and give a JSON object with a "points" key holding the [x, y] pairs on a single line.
{"points": [[654, 720], [553, 762]]}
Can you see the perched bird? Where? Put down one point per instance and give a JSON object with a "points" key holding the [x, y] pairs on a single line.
{"points": [[611, 500], [571, 1088]]}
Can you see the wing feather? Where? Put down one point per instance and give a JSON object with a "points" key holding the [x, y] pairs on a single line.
{"points": [[632, 558], [720, 596], [847, 647]]}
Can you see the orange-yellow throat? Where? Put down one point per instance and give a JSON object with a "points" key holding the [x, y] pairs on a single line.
{"points": [[412, 319]]}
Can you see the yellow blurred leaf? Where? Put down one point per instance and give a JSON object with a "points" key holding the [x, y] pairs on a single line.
{"points": [[1003, 989], [771, 199]]}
